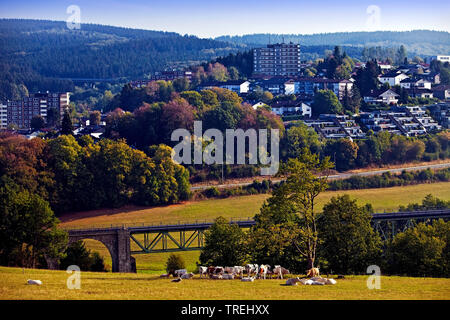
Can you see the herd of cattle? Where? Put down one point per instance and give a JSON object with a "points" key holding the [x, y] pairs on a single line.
{"points": [[249, 273]]}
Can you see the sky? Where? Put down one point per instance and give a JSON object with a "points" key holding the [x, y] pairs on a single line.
{"points": [[211, 18]]}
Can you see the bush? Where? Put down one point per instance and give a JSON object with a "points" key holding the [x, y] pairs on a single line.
{"points": [[212, 192], [175, 262], [77, 254]]}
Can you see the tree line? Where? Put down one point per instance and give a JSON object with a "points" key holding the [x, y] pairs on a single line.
{"points": [[82, 175]]}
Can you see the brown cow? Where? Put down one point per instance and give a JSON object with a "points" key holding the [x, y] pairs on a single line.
{"points": [[313, 272]]}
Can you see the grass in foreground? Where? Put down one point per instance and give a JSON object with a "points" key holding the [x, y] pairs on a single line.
{"points": [[141, 286]]}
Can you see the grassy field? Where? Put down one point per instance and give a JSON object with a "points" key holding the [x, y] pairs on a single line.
{"points": [[141, 286], [387, 199]]}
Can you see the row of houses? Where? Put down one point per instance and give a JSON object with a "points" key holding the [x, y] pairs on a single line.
{"points": [[408, 121], [283, 86], [335, 126]]}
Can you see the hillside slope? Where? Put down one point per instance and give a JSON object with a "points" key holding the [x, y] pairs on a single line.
{"points": [[95, 51], [422, 42]]}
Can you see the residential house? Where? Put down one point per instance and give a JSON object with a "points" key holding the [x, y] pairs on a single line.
{"points": [[276, 86], [410, 83], [291, 107], [420, 93], [308, 86], [238, 86], [442, 92], [393, 78], [441, 113], [382, 96]]}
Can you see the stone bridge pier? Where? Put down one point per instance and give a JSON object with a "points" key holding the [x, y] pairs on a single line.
{"points": [[117, 240]]}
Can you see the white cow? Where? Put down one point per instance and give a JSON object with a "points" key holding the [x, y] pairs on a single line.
{"points": [[228, 276], [262, 271], [251, 268], [239, 270], [292, 281], [187, 275], [248, 279], [36, 282], [179, 272], [203, 271]]}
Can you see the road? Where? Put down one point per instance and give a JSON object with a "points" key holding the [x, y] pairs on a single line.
{"points": [[337, 176]]}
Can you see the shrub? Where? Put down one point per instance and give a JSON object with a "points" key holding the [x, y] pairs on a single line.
{"points": [[212, 192], [174, 262], [78, 254]]}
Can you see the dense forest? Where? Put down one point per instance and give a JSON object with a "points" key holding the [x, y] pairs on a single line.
{"points": [[42, 55], [421, 42]]}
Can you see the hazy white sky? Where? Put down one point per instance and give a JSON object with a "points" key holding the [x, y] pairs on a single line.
{"points": [[236, 17]]}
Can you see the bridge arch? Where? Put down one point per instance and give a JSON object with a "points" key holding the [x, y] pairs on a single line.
{"points": [[99, 246], [116, 240]]}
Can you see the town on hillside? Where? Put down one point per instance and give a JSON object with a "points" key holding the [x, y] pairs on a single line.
{"points": [[336, 96]]}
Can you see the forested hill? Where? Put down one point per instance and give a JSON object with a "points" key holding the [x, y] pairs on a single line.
{"points": [[421, 42], [51, 49]]}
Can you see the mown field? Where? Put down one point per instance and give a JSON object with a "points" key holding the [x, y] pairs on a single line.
{"points": [[387, 199], [142, 286]]}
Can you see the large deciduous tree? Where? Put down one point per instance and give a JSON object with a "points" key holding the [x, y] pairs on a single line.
{"points": [[293, 204], [325, 101], [224, 244], [350, 244], [28, 228]]}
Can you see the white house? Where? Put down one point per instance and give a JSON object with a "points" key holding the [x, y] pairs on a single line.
{"points": [[410, 83], [393, 78], [442, 58], [291, 107], [238, 86], [258, 105], [387, 97]]}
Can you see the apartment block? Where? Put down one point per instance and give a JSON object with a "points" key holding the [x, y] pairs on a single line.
{"points": [[281, 59], [3, 115], [20, 112], [307, 86]]}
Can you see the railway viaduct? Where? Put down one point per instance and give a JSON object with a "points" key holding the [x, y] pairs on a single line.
{"points": [[184, 237]]}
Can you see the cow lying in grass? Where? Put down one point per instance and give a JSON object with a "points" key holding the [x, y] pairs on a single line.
{"points": [[248, 279], [293, 281], [317, 281], [35, 282], [187, 275]]}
